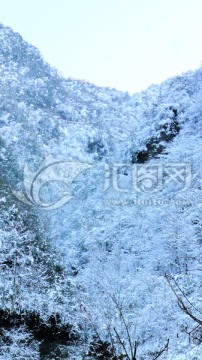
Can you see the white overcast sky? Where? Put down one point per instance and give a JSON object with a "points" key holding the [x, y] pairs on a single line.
{"points": [[126, 44]]}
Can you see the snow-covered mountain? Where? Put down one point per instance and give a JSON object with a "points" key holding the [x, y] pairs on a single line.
{"points": [[100, 239]]}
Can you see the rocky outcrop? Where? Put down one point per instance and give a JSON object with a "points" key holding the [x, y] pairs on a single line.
{"points": [[156, 145]]}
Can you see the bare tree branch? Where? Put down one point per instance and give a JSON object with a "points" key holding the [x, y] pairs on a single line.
{"points": [[186, 310], [162, 350], [184, 295], [125, 324], [122, 344]]}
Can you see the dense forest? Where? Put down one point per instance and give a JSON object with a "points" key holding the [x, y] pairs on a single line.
{"points": [[100, 196]]}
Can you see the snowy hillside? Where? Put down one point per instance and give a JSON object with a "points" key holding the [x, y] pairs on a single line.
{"points": [[100, 237]]}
